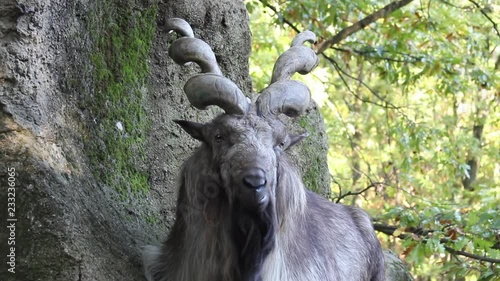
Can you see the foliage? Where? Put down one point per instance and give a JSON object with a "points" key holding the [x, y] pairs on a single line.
{"points": [[122, 38], [411, 111]]}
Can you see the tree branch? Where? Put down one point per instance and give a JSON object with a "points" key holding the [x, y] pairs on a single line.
{"points": [[483, 11], [344, 33], [389, 230], [343, 73], [407, 58], [272, 8], [469, 255], [349, 193]]}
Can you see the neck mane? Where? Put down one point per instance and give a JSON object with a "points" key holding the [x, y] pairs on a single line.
{"points": [[227, 241]]}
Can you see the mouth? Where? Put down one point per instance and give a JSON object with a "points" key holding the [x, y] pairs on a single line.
{"points": [[255, 200], [261, 198]]}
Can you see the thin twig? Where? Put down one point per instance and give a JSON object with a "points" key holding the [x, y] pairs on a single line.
{"points": [[344, 33], [354, 193], [366, 53], [456, 6], [343, 73], [272, 8], [481, 9]]}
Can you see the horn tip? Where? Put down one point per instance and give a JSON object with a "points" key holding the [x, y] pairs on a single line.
{"points": [[180, 26], [304, 36]]}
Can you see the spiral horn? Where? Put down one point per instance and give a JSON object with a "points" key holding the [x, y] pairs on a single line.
{"points": [[209, 88], [286, 96]]}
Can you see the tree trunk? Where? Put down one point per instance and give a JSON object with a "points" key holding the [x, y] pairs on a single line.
{"points": [[87, 95], [472, 160], [57, 109]]}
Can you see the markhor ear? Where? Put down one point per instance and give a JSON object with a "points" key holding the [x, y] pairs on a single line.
{"points": [[192, 128], [294, 139]]}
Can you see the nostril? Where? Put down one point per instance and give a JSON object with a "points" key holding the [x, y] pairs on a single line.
{"points": [[255, 178], [254, 181]]}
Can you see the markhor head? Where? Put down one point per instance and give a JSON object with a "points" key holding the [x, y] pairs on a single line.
{"points": [[247, 142]]}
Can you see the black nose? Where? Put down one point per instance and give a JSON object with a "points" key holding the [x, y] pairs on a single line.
{"points": [[254, 178]]}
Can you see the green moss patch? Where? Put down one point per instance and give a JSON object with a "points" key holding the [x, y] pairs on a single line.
{"points": [[312, 174], [122, 33]]}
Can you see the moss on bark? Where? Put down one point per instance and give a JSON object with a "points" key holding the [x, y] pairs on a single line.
{"points": [[122, 37]]}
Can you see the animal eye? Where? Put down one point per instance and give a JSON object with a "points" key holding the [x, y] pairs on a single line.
{"points": [[218, 138], [282, 144]]}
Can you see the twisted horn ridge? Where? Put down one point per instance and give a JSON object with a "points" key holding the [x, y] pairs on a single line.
{"points": [[180, 26], [304, 36], [299, 59], [210, 88], [185, 50], [288, 96]]}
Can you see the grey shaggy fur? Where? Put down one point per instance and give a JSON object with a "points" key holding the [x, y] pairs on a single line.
{"points": [[219, 236], [243, 213]]}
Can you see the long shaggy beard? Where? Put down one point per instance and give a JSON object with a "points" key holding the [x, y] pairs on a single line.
{"points": [[254, 239]]}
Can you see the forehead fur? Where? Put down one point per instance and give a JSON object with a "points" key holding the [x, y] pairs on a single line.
{"points": [[249, 121]]}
